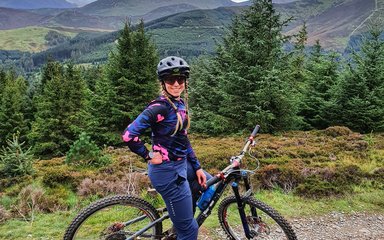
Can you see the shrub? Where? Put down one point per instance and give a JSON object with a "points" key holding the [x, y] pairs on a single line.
{"points": [[132, 183], [315, 187], [30, 201], [268, 175], [336, 131], [60, 175], [4, 214], [286, 176], [15, 160], [85, 152], [57, 199], [330, 181]]}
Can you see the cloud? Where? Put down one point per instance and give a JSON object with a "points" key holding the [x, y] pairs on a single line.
{"points": [[80, 2]]}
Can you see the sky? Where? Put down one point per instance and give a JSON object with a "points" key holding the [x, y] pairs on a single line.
{"points": [[80, 2], [83, 2]]}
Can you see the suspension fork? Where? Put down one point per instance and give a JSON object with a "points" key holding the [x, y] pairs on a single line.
{"points": [[241, 205], [249, 189]]}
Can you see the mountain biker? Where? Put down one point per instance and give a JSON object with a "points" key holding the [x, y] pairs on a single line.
{"points": [[173, 167]]}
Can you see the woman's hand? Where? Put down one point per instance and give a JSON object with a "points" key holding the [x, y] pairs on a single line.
{"points": [[157, 158], [201, 178]]}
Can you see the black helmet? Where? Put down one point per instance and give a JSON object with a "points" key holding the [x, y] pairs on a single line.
{"points": [[172, 66]]}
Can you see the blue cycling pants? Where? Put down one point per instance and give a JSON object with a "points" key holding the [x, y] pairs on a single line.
{"points": [[170, 180]]}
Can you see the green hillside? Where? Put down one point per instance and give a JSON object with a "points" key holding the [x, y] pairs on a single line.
{"points": [[141, 7], [188, 34], [196, 32], [29, 39]]}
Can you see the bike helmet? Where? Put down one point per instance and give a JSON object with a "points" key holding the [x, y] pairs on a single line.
{"points": [[172, 66]]}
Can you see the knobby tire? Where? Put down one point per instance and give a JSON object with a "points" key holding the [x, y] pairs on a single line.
{"points": [[271, 221], [120, 201]]}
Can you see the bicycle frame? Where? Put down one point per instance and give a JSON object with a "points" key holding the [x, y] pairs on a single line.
{"points": [[233, 179], [230, 175]]}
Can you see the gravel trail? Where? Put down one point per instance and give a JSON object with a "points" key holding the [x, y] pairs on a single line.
{"points": [[333, 226]]}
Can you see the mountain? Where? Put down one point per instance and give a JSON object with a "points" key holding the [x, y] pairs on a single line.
{"points": [[197, 31], [34, 4], [75, 19], [142, 7], [199, 18], [80, 3], [193, 33], [13, 18], [334, 25]]}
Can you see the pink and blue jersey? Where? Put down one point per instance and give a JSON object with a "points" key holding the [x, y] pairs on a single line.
{"points": [[161, 118]]}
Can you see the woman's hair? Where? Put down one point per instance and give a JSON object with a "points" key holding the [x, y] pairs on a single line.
{"points": [[179, 124]]}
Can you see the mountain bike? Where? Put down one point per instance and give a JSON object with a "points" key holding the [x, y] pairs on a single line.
{"points": [[241, 216]]}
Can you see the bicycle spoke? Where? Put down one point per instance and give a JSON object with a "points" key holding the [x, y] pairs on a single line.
{"points": [[115, 222], [266, 225]]}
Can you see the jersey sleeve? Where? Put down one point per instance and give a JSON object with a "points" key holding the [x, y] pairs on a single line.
{"points": [[146, 119], [191, 157]]}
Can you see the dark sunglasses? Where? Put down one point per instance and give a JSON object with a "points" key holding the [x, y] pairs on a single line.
{"points": [[172, 79]]}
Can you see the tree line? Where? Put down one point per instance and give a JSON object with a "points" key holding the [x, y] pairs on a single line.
{"points": [[252, 78]]}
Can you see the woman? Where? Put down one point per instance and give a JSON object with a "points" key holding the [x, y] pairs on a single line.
{"points": [[173, 167]]}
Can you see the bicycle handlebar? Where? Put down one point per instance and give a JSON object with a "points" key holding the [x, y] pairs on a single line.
{"points": [[212, 181], [236, 160], [255, 130]]}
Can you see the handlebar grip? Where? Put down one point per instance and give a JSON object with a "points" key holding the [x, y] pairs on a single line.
{"points": [[212, 181], [257, 128]]}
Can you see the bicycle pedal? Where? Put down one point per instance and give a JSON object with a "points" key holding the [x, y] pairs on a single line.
{"points": [[174, 237], [170, 234]]}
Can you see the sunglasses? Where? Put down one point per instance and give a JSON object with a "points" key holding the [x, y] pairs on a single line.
{"points": [[172, 79]]}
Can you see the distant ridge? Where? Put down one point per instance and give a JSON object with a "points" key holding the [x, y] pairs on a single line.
{"points": [[34, 4], [13, 18], [141, 7]]}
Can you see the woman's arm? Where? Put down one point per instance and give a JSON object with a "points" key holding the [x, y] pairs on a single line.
{"points": [[191, 157], [145, 120]]}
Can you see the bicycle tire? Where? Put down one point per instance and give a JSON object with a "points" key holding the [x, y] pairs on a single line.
{"points": [[96, 217], [230, 220]]}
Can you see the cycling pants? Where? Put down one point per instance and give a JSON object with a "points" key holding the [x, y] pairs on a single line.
{"points": [[170, 180]]}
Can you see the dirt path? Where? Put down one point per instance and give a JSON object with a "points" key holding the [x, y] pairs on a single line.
{"points": [[333, 226], [341, 226]]}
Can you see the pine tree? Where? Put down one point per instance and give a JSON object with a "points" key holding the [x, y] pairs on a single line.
{"points": [[90, 75], [131, 71], [250, 64], [297, 72], [76, 90], [13, 107], [359, 102], [205, 96], [58, 118], [2, 80], [100, 126], [323, 75]]}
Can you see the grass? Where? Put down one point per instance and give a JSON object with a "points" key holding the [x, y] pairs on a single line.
{"points": [[283, 158], [52, 226], [29, 39]]}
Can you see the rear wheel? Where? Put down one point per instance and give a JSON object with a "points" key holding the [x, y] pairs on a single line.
{"points": [[115, 218], [266, 224]]}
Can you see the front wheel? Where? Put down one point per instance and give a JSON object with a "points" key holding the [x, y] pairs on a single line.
{"points": [[263, 221], [114, 218]]}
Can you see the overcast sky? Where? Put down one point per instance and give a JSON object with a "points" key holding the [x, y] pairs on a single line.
{"points": [[84, 2], [80, 2]]}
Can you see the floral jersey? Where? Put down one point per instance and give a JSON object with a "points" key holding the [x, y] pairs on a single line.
{"points": [[161, 118]]}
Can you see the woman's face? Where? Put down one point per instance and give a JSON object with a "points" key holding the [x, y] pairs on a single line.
{"points": [[175, 85]]}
